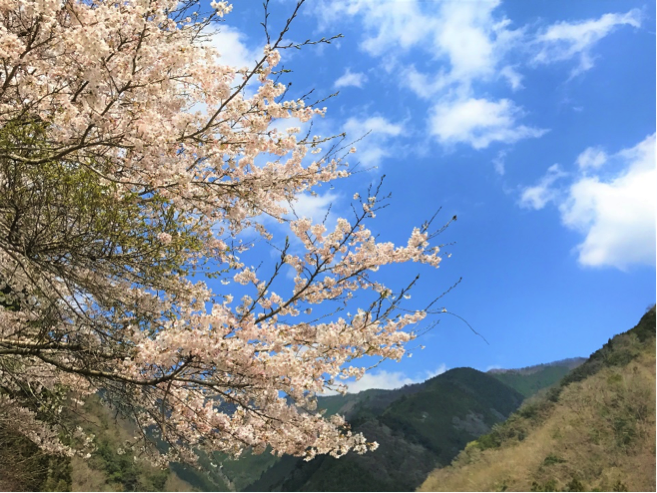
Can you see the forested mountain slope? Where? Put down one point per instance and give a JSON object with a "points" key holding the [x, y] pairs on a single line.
{"points": [[593, 432], [416, 431], [418, 427]]}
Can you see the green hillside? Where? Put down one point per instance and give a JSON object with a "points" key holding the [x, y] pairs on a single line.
{"points": [[109, 470], [595, 431]]}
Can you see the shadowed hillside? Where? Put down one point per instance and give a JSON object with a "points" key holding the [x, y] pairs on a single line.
{"points": [[421, 427]]}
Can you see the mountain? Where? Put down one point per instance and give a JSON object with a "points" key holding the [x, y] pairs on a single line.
{"points": [[531, 379], [594, 431], [405, 445], [416, 428], [596, 422], [569, 363]]}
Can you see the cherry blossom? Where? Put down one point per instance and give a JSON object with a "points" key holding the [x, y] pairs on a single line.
{"points": [[131, 161]]}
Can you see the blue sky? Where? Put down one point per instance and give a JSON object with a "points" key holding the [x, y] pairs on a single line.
{"points": [[533, 122]]}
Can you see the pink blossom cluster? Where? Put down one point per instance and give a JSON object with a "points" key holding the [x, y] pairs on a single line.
{"points": [[117, 86]]}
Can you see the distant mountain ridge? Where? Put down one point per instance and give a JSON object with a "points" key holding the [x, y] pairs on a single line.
{"points": [[532, 379], [569, 363]]}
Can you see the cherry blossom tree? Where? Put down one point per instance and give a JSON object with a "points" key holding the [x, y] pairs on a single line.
{"points": [[132, 163]]}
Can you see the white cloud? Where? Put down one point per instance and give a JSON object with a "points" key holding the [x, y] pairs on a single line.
{"points": [[465, 39], [592, 157], [479, 122], [565, 40], [539, 195], [376, 145], [472, 38], [611, 201], [616, 214], [233, 48], [380, 380], [314, 207], [423, 85], [468, 34], [375, 124], [353, 79], [463, 44], [386, 25], [388, 380], [233, 51]]}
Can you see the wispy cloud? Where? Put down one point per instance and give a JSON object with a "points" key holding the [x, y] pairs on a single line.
{"points": [[466, 40], [350, 79], [385, 24], [513, 77], [538, 196], [567, 40], [465, 44], [479, 122], [314, 207], [499, 163], [442, 368], [378, 133], [592, 158]]}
